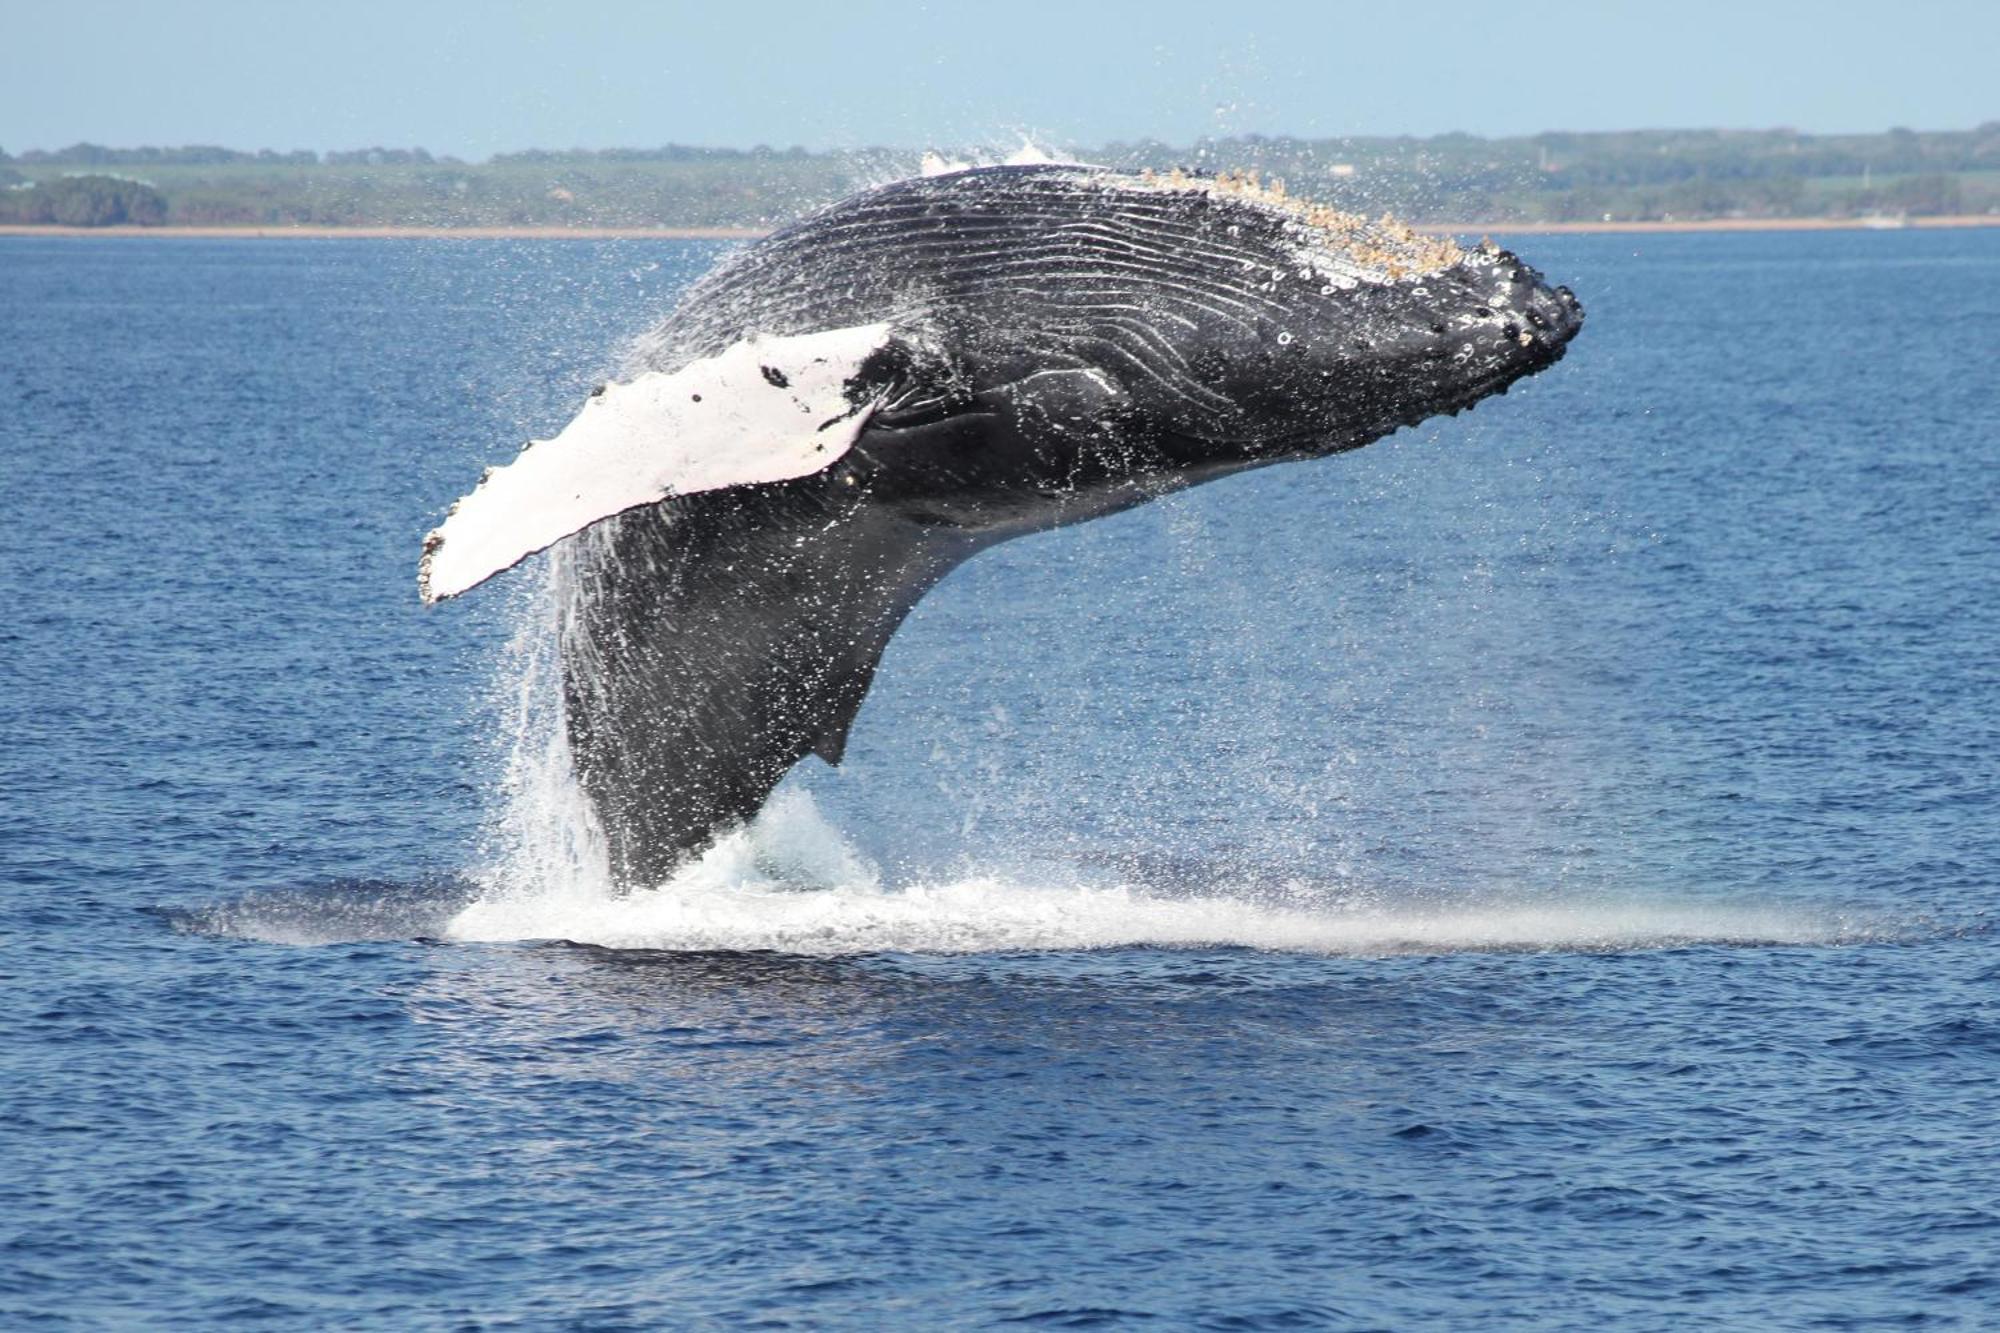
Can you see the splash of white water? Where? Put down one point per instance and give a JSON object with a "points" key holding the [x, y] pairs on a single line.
{"points": [[542, 837], [791, 883], [704, 911]]}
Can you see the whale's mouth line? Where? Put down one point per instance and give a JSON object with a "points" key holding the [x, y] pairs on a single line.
{"points": [[1546, 352], [1319, 442]]}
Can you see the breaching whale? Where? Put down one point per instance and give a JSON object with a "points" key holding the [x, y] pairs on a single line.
{"points": [[846, 410]]}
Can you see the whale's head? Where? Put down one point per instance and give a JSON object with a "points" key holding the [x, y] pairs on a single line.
{"points": [[1354, 364], [1290, 329], [1239, 322], [1022, 345]]}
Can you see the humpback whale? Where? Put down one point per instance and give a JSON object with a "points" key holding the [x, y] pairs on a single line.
{"points": [[842, 412]]}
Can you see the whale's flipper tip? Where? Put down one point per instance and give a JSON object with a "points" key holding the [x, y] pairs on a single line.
{"points": [[761, 410], [425, 589]]}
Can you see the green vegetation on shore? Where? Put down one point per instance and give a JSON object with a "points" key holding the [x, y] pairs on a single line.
{"points": [[1635, 176], [86, 201]]}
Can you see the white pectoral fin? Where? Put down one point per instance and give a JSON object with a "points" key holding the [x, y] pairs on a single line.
{"points": [[765, 409]]}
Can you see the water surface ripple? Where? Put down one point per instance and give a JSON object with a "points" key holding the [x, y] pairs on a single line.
{"points": [[1535, 872]]}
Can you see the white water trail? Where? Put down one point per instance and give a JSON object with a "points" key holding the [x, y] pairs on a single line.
{"points": [[749, 893]]}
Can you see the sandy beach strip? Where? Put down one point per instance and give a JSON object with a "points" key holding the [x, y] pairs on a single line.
{"points": [[1712, 224]]}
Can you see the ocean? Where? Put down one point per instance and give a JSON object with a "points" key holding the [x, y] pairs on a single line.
{"points": [[1534, 872]]}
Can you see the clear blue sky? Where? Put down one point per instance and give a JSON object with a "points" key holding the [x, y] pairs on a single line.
{"points": [[472, 78]]}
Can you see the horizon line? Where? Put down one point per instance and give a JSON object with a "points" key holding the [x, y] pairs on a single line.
{"points": [[762, 149]]}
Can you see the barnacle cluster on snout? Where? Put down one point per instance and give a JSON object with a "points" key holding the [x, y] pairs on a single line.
{"points": [[1379, 249]]}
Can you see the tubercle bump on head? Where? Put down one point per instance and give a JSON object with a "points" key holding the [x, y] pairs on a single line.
{"points": [[1386, 243]]}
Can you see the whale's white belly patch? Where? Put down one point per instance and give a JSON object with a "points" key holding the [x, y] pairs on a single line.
{"points": [[763, 410]]}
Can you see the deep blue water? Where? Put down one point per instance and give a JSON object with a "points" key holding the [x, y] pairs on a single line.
{"points": [[1534, 872]]}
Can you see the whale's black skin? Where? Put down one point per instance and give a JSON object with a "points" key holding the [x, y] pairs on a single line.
{"points": [[1069, 343]]}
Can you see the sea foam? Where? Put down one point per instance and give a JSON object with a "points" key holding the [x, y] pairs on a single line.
{"points": [[791, 883]]}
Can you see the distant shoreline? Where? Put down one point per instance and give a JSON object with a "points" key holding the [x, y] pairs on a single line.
{"points": [[751, 233], [402, 233], [1956, 220]]}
